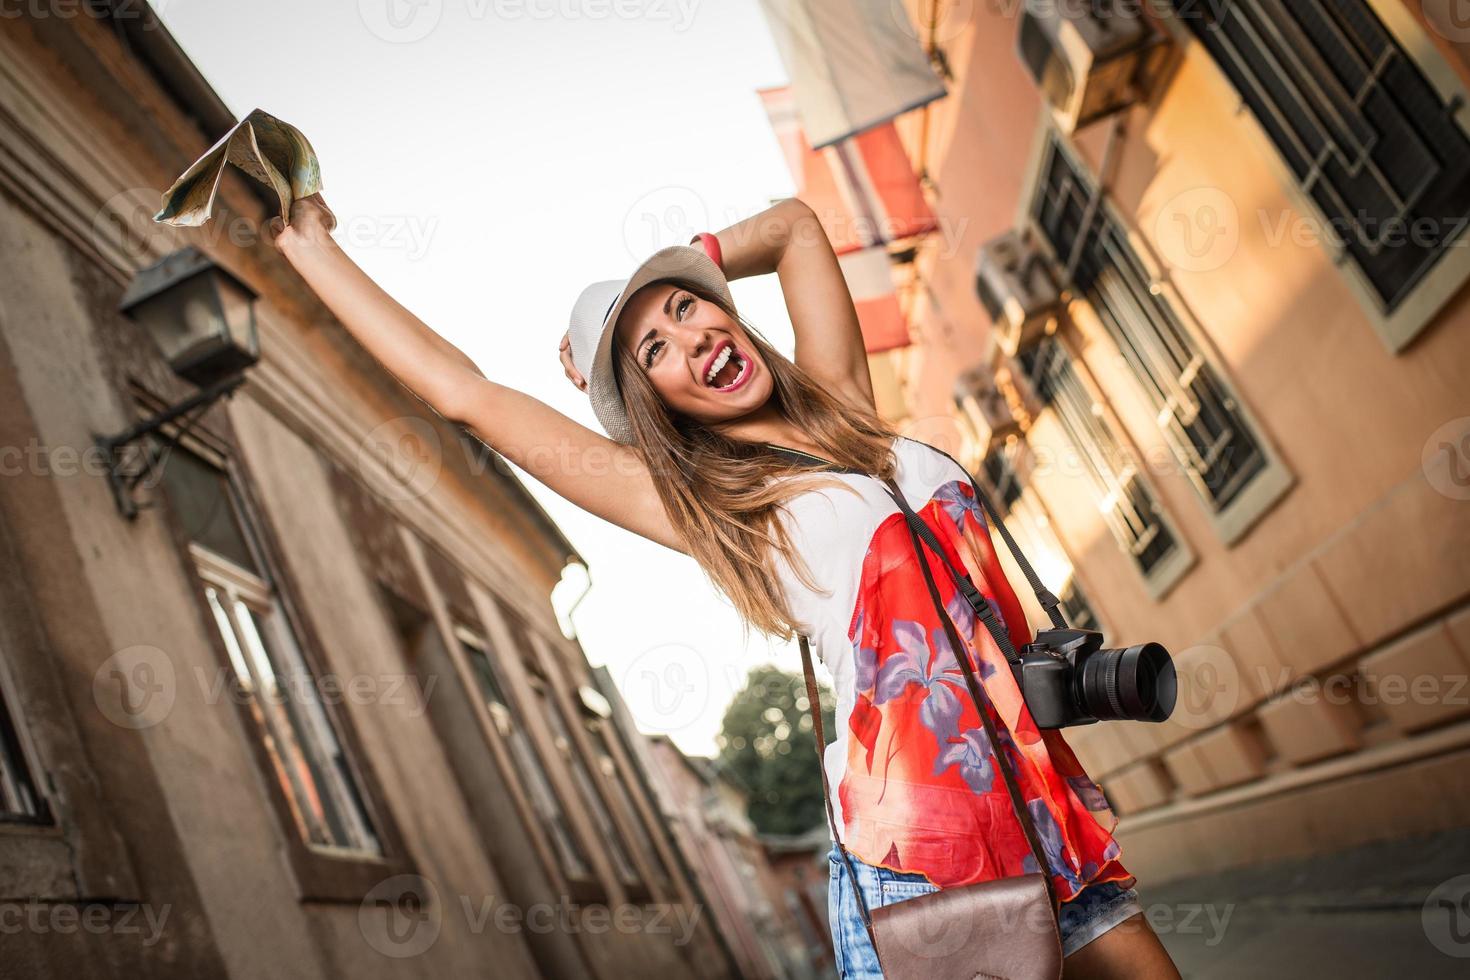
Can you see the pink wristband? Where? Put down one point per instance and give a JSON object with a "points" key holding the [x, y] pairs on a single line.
{"points": [[711, 246]]}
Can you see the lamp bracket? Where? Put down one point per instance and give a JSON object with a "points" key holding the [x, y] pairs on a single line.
{"points": [[191, 410]]}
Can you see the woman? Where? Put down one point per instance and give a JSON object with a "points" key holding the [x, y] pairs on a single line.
{"points": [[694, 398]]}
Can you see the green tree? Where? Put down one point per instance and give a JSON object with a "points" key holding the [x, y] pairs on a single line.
{"points": [[766, 745]]}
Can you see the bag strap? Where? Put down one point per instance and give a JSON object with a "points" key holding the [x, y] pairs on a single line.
{"points": [[814, 705], [1018, 805]]}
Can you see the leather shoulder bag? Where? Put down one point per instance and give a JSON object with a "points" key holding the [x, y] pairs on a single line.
{"points": [[1005, 928]]}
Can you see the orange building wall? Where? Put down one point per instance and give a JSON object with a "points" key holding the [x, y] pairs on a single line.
{"points": [[1358, 556]]}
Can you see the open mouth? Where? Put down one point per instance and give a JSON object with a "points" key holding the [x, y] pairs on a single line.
{"points": [[728, 369]]}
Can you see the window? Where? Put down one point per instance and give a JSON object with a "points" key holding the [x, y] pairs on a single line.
{"points": [[59, 840], [1228, 464], [269, 672], [1125, 500], [602, 734], [1001, 476], [1369, 138], [1076, 610], [19, 800], [574, 864], [617, 847]]}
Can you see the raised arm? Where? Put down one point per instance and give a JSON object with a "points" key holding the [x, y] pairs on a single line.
{"points": [[787, 239], [586, 467]]}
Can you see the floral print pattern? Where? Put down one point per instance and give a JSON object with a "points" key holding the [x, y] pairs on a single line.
{"points": [[931, 664], [921, 791], [972, 753]]}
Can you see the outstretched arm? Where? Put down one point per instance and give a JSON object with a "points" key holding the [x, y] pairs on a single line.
{"points": [[586, 467]]}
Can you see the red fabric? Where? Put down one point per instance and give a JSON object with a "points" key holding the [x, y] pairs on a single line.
{"points": [[869, 277], [863, 189], [921, 791], [894, 183]]}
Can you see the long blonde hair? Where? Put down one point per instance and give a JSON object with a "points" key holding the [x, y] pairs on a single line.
{"points": [[720, 493]]}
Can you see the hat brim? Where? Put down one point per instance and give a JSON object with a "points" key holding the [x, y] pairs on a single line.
{"points": [[674, 262]]}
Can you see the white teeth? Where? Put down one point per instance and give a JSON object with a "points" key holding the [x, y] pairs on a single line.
{"points": [[714, 368], [743, 368]]}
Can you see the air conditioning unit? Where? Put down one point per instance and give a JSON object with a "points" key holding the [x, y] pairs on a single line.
{"points": [[984, 408], [1090, 58], [1015, 283]]}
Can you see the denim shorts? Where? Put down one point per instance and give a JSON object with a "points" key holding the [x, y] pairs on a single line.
{"points": [[1095, 910]]}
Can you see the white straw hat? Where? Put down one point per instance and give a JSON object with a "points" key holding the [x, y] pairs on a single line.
{"points": [[597, 309]]}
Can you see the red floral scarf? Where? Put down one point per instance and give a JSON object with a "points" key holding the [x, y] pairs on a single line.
{"points": [[921, 790]]}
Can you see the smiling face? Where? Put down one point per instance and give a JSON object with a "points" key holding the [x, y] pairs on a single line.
{"points": [[698, 359]]}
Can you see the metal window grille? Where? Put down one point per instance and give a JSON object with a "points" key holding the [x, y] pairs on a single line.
{"points": [[1076, 610], [1365, 134], [1127, 504], [1199, 415], [1002, 476]]}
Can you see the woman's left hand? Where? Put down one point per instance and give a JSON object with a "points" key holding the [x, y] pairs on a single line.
{"points": [[573, 375]]}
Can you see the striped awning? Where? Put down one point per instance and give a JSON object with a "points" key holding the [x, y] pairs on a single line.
{"points": [[869, 275], [866, 195], [863, 189]]}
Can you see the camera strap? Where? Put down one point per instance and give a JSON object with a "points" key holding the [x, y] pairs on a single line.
{"points": [[1049, 602], [918, 531], [982, 705]]}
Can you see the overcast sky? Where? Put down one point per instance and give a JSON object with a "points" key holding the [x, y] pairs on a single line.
{"points": [[487, 159]]}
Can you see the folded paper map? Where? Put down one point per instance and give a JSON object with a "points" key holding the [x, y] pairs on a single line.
{"points": [[265, 148]]}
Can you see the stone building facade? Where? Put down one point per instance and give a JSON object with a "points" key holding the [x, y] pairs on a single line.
{"points": [[310, 712]]}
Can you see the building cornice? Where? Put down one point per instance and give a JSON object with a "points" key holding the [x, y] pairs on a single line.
{"points": [[82, 189]]}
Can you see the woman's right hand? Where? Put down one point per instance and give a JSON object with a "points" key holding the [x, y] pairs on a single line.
{"points": [[570, 369], [312, 222]]}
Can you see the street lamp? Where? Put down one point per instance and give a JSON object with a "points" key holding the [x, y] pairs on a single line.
{"points": [[203, 320]]}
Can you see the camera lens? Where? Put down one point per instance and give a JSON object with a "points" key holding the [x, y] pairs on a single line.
{"points": [[1134, 683]]}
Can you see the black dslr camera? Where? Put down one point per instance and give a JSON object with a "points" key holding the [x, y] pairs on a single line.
{"points": [[1067, 679]]}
